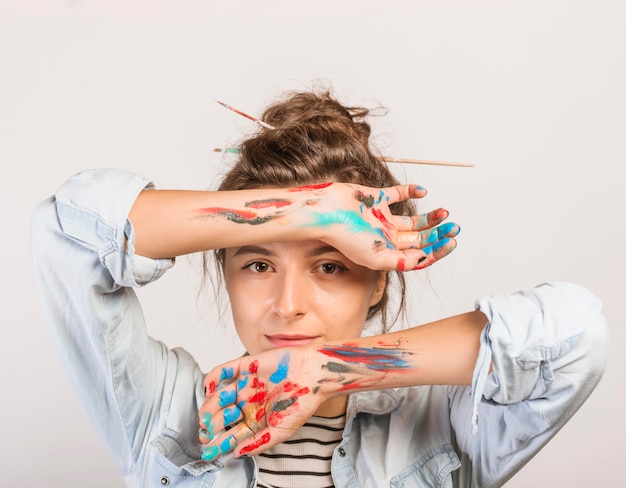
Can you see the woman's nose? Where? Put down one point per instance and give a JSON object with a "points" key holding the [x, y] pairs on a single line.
{"points": [[292, 296]]}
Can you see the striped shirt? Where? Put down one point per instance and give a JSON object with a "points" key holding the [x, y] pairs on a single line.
{"points": [[303, 461]]}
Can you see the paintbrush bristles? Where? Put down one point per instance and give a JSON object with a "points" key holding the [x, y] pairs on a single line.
{"points": [[243, 114]]}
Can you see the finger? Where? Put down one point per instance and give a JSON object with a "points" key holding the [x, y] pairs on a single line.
{"points": [[437, 251], [219, 377], [227, 442], [428, 237], [207, 430], [421, 222], [399, 193], [213, 423]]}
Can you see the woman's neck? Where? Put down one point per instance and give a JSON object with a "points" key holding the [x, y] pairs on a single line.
{"points": [[333, 408]]}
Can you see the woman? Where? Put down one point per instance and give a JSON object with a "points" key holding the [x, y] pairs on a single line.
{"points": [[307, 229]]}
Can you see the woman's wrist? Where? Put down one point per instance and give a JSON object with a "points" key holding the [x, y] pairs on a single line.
{"points": [[361, 365]]}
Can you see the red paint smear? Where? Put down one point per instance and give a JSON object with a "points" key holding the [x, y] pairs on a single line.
{"points": [[260, 414], [255, 445], [441, 214], [312, 187], [401, 264], [257, 384], [254, 366], [258, 397], [275, 419], [379, 215], [268, 203], [239, 213], [289, 386], [212, 387], [303, 391]]}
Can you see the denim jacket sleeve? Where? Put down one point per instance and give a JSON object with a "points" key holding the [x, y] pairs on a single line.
{"points": [[542, 353], [86, 267]]}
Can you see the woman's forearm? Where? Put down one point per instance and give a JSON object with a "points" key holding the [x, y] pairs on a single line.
{"points": [[170, 223], [442, 352]]}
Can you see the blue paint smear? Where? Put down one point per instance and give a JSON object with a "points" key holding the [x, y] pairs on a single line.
{"points": [[241, 384], [370, 357], [228, 397], [227, 373], [436, 246], [444, 229], [231, 415], [228, 444], [281, 373]]}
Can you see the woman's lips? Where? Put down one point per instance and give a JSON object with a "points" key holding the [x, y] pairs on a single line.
{"points": [[289, 340]]}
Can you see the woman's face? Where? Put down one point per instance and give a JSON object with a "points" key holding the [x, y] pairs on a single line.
{"points": [[297, 293]]}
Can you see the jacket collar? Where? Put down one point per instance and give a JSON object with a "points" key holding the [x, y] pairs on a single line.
{"points": [[378, 402]]}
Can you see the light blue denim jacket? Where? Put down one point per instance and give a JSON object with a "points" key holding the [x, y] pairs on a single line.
{"points": [[547, 347]]}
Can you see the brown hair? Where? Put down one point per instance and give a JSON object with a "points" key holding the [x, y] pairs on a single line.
{"points": [[315, 139]]}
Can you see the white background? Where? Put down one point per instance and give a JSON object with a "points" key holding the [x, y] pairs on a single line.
{"points": [[532, 92]]}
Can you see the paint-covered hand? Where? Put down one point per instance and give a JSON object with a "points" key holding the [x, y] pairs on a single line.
{"points": [[255, 402], [357, 220]]}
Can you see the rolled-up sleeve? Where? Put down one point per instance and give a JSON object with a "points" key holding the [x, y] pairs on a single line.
{"points": [[85, 268], [542, 353]]}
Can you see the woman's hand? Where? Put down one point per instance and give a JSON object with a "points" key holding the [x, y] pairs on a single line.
{"points": [[262, 400], [358, 222]]}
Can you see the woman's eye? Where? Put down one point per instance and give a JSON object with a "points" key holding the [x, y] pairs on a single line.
{"points": [[330, 268], [258, 267]]}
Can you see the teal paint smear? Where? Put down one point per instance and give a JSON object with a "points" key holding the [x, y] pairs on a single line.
{"points": [[210, 453], [353, 220], [281, 373], [207, 418]]}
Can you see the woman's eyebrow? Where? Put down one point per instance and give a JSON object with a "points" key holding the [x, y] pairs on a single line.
{"points": [[322, 250], [253, 250]]}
